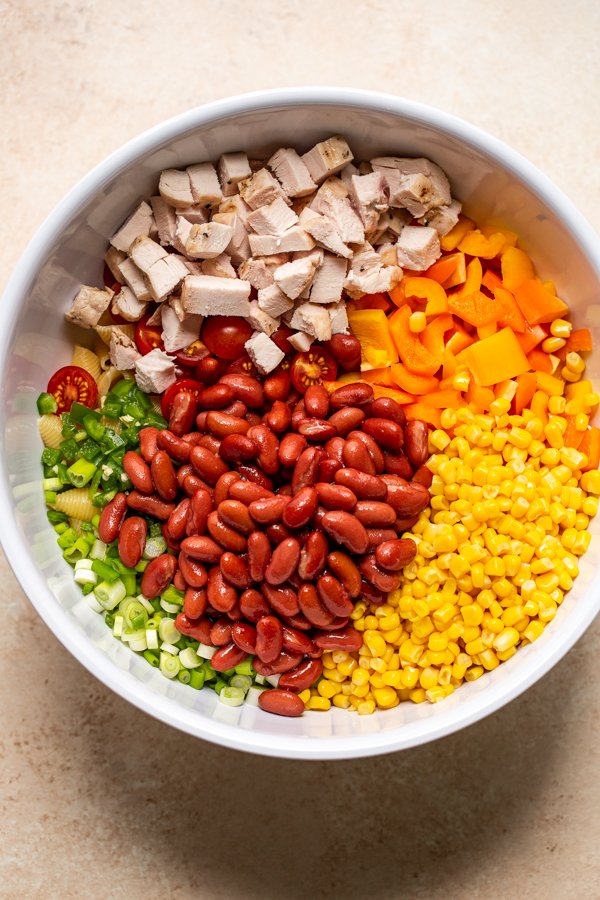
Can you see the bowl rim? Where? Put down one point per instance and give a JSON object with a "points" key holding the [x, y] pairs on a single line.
{"points": [[34, 584]]}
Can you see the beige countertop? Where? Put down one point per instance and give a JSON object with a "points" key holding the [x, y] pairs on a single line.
{"points": [[98, 800]]}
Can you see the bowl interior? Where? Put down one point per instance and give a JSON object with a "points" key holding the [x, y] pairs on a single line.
{"points": [[494, 184]]}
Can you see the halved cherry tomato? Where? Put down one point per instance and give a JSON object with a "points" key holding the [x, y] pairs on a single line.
{"points": [[72, 384], [313, 367], [192, 354], [243, 365], [147, 337], [189, 385], [225, 336], [281, 339]]}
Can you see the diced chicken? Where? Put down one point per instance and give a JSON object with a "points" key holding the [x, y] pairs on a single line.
{"points": [[257, 272], [365, 167], [123, 352], [301, 341], [194, 268], [444, 218], [312, 319], [182, 233], [346, 175], [331, 201], [155, 320], [368, 275], [418, 247], [155, 372], [195, 215], [127, 305], [294, 277], [232, 168], [387, 253], [139, 223], [264, 353], [235, 204], [273, 301], [145, 252], [368, 193], [339, 318], [261, 189], [166, 220], [275, 218], [164, 276], [326, 234], [204, 184], [294, 239], [174, 187], [209, 240], [327, 158], [292, 173], [88, 306], [177, 333], [134, 279], [220, 266], [207, 295], [113, 258], [262, 321], [329, 280], [414, 184], [393, 221], [238, 247]]}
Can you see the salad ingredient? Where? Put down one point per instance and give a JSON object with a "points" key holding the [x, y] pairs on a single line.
{"points": [[72, 384], [312, 368]]}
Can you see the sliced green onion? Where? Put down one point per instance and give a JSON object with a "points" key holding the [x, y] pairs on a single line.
{"points": [[61, 527], [55, 517], [152, 638], [87, 589], [93, 603], [145, 603], [46, 404], [260, 679], [78, 550], [98, 550], [155, 546], [172, 595], [85, 576], [273, 680], [110, 595], [205, 651], [118, 626], [138, 642], [83, 564], [106, 572], [142, 565], [231, 696], [190, 659], [253, 695], [50, 497], [196, 679], [184, 676], [50, 457], [130, 583], [67, 538], [169, 648], [245, 668], [52, 484], [152, 658], [169, 665], [168, 632], [241, 681], [170, 607], [81, 472]]}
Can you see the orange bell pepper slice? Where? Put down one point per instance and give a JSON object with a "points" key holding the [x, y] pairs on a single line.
{"points": [[526, 388], [475, 243], [372, 328], [590, 445], [373, 301], [572, 437], [411, 382], [496, 358], [397, 295], [510, 313], [429, 290], [379, 376], [472, 281], [485, 331], [579, 341], [451, 240], [516, 268], [491, 281], [428, 414], [510, 237], [480, 398], [540, 361], [531, 337], [446, 399], [411, 351], [433, 336], [537, 304], [449, 270], [475, 309], [459, 340], [449, 364], [400, 397]]}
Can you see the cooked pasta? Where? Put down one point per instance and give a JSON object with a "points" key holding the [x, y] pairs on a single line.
{"points": [[77, 504], [50, 428], [107, 379], [88, 360], [105, 331]]}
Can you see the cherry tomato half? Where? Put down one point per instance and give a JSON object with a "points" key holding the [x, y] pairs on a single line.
{"points": [[72, 384], [225, 336], [280, 337], [312, 367], [147, 337], [243, 365], [189, 385], [192, 354]]}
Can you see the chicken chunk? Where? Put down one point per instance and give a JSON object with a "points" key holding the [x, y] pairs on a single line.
{"points": [[127, 305], [329, 280], [166, 220], [325, 233], [339, 318], [257, 271], [294, 277], [195, 215], [235, 204], [273, 301], [331, 201], [155, 372], [301, 341], [209, 240], [418, 247], [444, 218], [145, 252], [174, 187], [134, 279], [312, 319], [294, 239], [232, 168], [219, 266], [275, 218], [207, 295], [367, 274], [261, 189], [238, 247], [327, 158], [414, 184], [264, 353], [139, 223], [113, 258], [88, 306], [123, 351], [368, 193], [292, 173], [204, 184], [177, 333], [164, 276], [260, 320]]}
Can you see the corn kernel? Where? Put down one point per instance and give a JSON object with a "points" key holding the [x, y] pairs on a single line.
{"points": [[574, 363], [508, 638], [474, 673], [561, 328], [341, 701], [319, 703], [385, 697], [551, 344], [417, 323], [418, 695], [305, 695], [366, 708]]}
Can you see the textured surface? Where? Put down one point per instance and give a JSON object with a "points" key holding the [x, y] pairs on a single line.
{"points": [[98, 800]]}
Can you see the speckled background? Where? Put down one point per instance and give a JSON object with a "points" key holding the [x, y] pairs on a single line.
{"points": [[100, 801]]}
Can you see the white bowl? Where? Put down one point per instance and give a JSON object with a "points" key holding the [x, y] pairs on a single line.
{"points": [[492, 180]]}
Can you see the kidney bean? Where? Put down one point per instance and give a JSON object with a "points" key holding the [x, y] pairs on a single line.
{"points": [[179, 581], [235, 514], [174, 446], [283, 600], [302, 676], [210, 369], [366, 487], [306, 470], [158, 575], [138, 472], [209, 442], [313, 556], [269, 638], [150, 505], [301, 508], [256, 475], [278, 533], [111, 518], [296, 641], [408, 498], [372, 449], [183, 413], [336, 496], [333, 596], [346, 639], [416, 435], [253, 418], [316, 401], [228, 537], [227, 658], [290, 448], [374, 513], [298, 621], [344, 568], [222, 424], [346, 420], [132, 540], [423, 475], [194, 573], [379, 535], [279, 417], [223, 485], [148, 446], [311, 607], [259, 554], [247, 492], [208, 466], [345, 529], [335, 449], [194, 603], [163, 475], [244, 636], [235, 570], [201, 421], [277, 386], [281, 703], [220, 633], [284, 561], [268, 446], [405, 523], [182, 473], [356, 394], [253, 605], [203, 548], [285, 490], [245, 388], [221, 595], [338, 623], [386, 408], [216, 396], [356, 456], [385, 581], [398, 464], [284, 662], [191, 484], [237, 409], [317, 430], [268, 510], [237, 447], [347, 350], [298, 414], [172, 544], [177, 521], [386, 433], [199, 629], [394, 555]]}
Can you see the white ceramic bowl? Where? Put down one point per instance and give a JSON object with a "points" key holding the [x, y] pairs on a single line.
{"points": [[492, 180]]}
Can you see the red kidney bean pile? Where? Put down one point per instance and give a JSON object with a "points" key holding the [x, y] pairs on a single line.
{"points": [[279, 511]]}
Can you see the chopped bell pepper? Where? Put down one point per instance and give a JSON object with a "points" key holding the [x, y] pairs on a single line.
{"points": [[516, 268], [411, 351], [372, 329], [430, 290], [495, 358], [537, 304]]}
